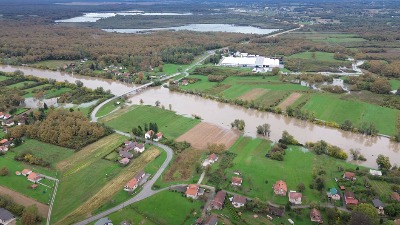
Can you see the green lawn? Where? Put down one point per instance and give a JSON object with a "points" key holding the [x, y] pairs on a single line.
{"points": [[330, 108], [2, 78], [56, 92], [128, 214], [153, 167], [52, 64], [48, 152], [21, 110], [200, 85], [109, 107], [20, 183], [259, 173], [30, 90], [21, 84], [170, 69], [320, 56], [383, 188], [169, 123], [395, 84], [170, 208]]}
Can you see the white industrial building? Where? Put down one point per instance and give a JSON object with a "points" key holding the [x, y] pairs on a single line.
{"points": [[251, 61]]}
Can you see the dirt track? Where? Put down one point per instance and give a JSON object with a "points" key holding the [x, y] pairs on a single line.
{"points": [[289, 100], [205, 133], [253, 94], [25, 201]]}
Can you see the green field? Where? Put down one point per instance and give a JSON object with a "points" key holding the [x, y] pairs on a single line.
{"points": [[330, 108], [170, 208], [84, 174], [2, 78], [20, 183], [329, 37], [48, 152], [128, 214], [31, 90], [260, 173], [56, 92], [21, 85], [169, 123], [52, 64], [320, 56], [170, 69], [109, 107], [395, 84]]}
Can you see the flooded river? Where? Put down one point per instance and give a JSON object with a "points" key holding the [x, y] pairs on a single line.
{"points": [[223, 114]]}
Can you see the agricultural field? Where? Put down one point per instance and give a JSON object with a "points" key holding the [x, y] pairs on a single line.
{"points": [[334, 38], [109, 107], [49, 152], [128, 214], [320, 56], [329, 107], [169, 123], [111, 188], [204, 133], [84, 173], [257, 182]]}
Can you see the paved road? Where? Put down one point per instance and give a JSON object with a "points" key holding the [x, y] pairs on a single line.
{"points": [[287, 31]]}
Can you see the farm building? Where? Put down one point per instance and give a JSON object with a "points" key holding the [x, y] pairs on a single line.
{"points": [[251, 61]]}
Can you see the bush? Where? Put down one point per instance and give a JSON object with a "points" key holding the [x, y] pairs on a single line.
{"points": [[4, 171]]}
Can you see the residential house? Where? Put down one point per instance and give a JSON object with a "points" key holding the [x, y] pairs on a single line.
{"points": [[2, 142], [139, 176], [276, 211], [17, 173], [1, 115], [315, 216], [236, 181], [6, 217], [104, 221], [7, 116], [131, 185], [395, 196], [159, 135], [125, 223], [124, 161], [379, 206], [295, 197], [185, 82], [192, 191], [127, 142], [219, 199], [139, 148], [349, 176], [238, 201], [280, 188], [333, 194], [26, 172], [213, 158], [125, 154], [3, 149], [212, 220], [34, 177], [149, 134], [375, 172], [349, 198]]}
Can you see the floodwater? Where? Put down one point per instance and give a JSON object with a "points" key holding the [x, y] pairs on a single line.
{"points": [[223, 114], [93, 17], [116, 87], [202, 28]]}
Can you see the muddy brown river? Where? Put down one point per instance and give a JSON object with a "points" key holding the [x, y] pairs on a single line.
{"points": [[223, 114]]}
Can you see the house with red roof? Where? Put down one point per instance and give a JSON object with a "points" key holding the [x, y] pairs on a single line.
{"points": [[149, 134], [349, 198], [1, 115], [192, 191], [2, 142], [159, 135], [26, 172], [218, 201], [349, 176], [213, 158], [238, 201], [34, 177], [131, 185], [124, 161], [295, 197], [139, 148], [280, 188], [236, 181]]}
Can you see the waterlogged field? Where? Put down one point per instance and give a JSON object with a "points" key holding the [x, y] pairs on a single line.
{"points": [[169, 123]]}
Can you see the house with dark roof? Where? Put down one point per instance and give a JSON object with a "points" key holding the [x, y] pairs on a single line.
{"points": [[315, 216], [280, 188], [6, 217], [219, 199], [238, 201], [276, 211], [379, 206], [212, 220], [349, 198], [139, 148], [125, 154]]}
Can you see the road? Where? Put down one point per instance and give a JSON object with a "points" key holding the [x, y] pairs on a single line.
{"points": [[287, 31]]}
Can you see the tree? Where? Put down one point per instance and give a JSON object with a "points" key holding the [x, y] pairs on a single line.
{"points": [[301, 187], [264, 129], [381, 86], [383, 162], [141, 101], [4, 171], [288, 139], [170, 107], [275, 71], [45, 107], [79, 83], [157, 103], [347, 125], [29, 215], [239, 124], [365, 214]]}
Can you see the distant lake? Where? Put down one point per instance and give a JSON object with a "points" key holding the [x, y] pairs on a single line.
{"points": [[201, 28], [93, 17]]}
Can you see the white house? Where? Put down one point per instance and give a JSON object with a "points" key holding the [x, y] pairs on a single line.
{"points": [[139, 148], [159, 135], [295, 197], [149, 134], [375, 172]]}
